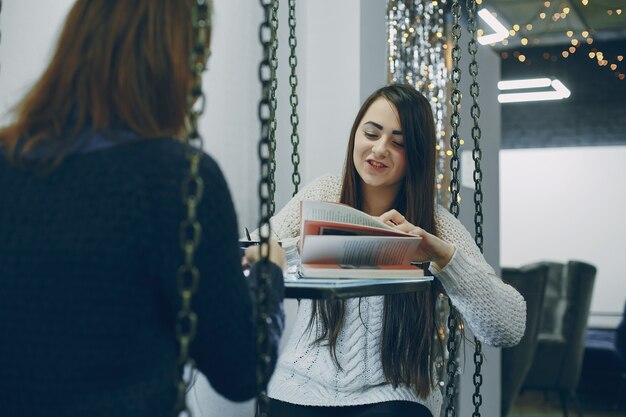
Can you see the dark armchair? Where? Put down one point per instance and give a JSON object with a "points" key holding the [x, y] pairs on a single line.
{"points": [[530, 281], [604, 363], [556, 365]]}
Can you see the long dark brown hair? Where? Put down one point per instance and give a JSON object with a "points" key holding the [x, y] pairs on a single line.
{"points": [[117, 64], [409, 323]]}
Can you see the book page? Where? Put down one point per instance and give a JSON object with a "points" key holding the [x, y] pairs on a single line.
{"points": [[359, 250], [340, 213]]}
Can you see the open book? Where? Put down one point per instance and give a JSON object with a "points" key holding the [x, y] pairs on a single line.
{"points": [[338, 241]]}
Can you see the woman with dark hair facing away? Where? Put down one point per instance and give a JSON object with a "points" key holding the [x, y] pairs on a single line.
{"points": [[91, 174], [373, 356]]}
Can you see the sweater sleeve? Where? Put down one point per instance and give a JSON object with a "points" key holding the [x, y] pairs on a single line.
{"points": [[494, 310], [225, 345]]}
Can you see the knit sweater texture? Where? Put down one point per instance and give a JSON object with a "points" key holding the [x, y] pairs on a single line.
{"points": [[306, 373], [89, 255]]}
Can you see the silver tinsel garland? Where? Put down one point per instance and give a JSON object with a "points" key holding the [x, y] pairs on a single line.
{"points": [[416, 50]]}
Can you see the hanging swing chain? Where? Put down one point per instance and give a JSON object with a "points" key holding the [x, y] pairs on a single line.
{"points": [[477, 398], [273, 100], [293, 98], [476, 132], [264, 153], [455, 119], [190, 232]]}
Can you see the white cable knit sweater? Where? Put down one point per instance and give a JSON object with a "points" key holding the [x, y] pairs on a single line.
{"points": [[306, 373]]}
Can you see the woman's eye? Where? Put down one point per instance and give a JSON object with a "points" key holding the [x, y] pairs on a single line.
{"points": [[399, 144], [370, 135]]}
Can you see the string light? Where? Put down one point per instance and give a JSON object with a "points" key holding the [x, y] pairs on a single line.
{"points": [[555, 11]]}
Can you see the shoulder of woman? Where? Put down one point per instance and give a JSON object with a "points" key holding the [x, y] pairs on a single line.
{"points": [[325, 188]]}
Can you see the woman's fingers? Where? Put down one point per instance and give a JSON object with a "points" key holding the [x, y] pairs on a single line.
{"points": [[392, 217]]}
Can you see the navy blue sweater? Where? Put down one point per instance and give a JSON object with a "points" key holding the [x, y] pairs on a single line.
{"points": [[88, 261]]}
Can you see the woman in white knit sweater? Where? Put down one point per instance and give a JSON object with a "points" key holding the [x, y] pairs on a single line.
{"points": [[373, 356]]}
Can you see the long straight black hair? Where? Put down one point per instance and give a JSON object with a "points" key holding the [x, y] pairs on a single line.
{"points": [[409, 319]]}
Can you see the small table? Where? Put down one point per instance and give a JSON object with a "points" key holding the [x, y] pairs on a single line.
{"points": [[319, 289]]}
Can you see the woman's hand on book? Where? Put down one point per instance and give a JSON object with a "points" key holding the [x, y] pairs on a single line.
{"points": [[431, 249], [277, 254]]}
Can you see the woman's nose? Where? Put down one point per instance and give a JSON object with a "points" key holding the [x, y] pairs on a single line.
{"points": [[380, 147]]}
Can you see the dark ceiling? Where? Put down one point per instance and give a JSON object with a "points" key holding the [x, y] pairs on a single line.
{"points": [[547, 22]]}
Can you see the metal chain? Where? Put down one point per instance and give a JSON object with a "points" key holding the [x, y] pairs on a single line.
{"points": [[293, 98], [477, 398], [478, 195], [452, 366], [476, 132], [455, 119], [190, 232], [264, 152], [273, 101]]}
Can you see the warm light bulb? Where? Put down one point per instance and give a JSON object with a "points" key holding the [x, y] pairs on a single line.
{"points": [[542, 15], [585, 2], [613, 67], [575, 42], [618, 11], [516, 27], [546, 3], [512, 32], [620, 57], [529, 26], [609, 12], [521, 58], [524, 41], [585, 33], [589, 41], [565, 54], [572, 49], [592, 55], [566, 10], [569, 33]]}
